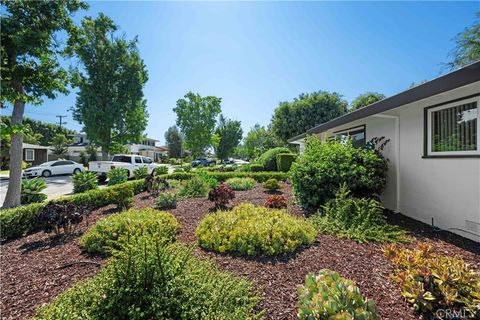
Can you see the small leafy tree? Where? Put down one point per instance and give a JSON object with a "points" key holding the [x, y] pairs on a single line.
{"points": [[29, 65], [60, 144], [196, 118], [174, 140], [92, 152], [229, 133]]}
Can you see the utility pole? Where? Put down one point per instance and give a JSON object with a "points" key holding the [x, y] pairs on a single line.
{"points": [[60, 121]]}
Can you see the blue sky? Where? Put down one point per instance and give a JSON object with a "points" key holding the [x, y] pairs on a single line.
{"points": [[255, 54]]}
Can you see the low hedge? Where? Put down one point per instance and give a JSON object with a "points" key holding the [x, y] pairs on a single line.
{"points": [[251, 230], [108, 232], [223, 176], [16, 222]]}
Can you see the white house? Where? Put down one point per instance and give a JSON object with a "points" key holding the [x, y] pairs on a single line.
{"points": [[79, 144], [147, 148], [434, 149]]}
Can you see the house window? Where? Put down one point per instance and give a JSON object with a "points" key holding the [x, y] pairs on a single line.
{"points": [[29, 155], [357, 135], [452, 128]]}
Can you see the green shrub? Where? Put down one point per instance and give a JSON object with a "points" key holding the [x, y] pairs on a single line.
{"points": [[317, 174], [269, 158], [284, 161], [31, 191], [209, 179], [117, 176], [223, 176], [166, 200], [108, 233], [357, 219], [241, 183], [272, 185], [121, 195], [187, 167], [256, 167], [16, 222], [161, 170], [138, 186], [430, 281], [194, 188], [84, 181], [251, 230], [178, 170], [329, 296], [148, 280], [140, 173]]}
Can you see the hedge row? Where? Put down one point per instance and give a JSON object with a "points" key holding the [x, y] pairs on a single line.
{"points": [[223, 176], [16, 222]]}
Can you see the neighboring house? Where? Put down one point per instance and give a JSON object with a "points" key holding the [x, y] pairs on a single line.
{"points": [[34, 154], [147, 148], [434, 149], [79, 144]]}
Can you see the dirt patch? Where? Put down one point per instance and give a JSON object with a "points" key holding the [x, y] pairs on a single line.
{"points": [[32, 273]]}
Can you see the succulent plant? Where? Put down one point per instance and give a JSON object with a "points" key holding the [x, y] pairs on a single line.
{"points": [[31, 190]]}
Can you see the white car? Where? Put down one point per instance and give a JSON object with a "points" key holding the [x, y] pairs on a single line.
{"points": [[52, 168]]}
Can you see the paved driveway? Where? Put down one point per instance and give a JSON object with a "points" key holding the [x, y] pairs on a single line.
{"points": [[57, 186]]}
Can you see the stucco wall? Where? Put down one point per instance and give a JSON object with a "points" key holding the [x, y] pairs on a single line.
{"points": [[445, 189]]}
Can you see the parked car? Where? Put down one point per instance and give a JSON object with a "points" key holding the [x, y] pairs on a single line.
{"points": [[52, 168], [228, 161], [203, 161], [126, 161]]}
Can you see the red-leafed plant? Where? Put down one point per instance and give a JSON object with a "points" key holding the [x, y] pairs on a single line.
{"points": [[221, 195], [276, 201]]}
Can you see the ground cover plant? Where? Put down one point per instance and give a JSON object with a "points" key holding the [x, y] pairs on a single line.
{"points": [[117, 176], [109, 233], [241, 183], [251, 230], [357, 219], [276, 201], [84, 181], [431, 281], [166, 201], [149, 280], [272, 185], [221, 195], [318, 173], [327, 295], [31, 191]]}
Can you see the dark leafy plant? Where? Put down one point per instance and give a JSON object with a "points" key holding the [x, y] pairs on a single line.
{"points": [[140, 173], [60, 217], [117, 176], [276, 202], [329, 296], [221, 195], [166, 201], [154, 184], [84, 181], [32, 190], [254, 167]]}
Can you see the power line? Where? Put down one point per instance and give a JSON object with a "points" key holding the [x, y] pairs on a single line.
{"points": [[60, 120]]}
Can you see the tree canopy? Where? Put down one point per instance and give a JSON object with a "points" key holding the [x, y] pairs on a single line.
{"points": [[228, 135], [196, 117], [174, 140], [258, 140], [306, 111], [366, 99], [110, 102], [467, 49], [30, 68]]}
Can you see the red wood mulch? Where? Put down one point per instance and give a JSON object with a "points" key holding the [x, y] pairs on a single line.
{"points": [[32, 273]]}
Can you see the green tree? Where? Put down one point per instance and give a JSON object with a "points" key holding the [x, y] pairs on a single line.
{"points": [[111, 78], [467, 49], [308, 110], [229, 134], [174, 140], [196, 118], [60, 144], [366, 99], [91, 150], [29, 66], [258, 140]]}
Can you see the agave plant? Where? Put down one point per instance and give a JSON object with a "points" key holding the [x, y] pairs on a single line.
{"points": [[84, 181], [31, 190]]}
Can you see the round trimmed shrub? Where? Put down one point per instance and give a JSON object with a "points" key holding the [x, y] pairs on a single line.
{"points": [[241, 183], [251, 230], [317, 174], [109, 233], [166, 200], [269, 158], [272, 185], [284, 161]]}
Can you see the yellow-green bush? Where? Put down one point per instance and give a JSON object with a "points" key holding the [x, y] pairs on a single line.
{"points": [[241, 183], [430, 281], [329, 296], [251, 230], [108, 233]]}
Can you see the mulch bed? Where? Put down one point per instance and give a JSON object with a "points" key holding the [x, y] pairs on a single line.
{"points": [[32, 273]]}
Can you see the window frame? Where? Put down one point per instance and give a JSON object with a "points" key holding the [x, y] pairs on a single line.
{"points": [[349, 131], [33, 154], [428, 153]]}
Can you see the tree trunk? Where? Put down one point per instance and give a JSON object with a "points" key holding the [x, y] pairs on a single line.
{"points": [[104, 154], [12, 197]]}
